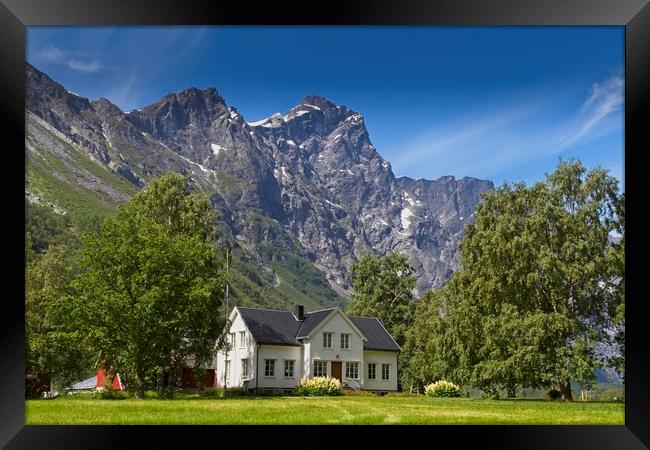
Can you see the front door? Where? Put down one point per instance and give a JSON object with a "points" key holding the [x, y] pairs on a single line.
{"points": [[336, 370]]}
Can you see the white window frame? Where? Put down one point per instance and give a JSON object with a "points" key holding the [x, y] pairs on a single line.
{"points": [[233, 335], [245, 364], [327, 337], [348, 367], [319, 362], [266, 365], [387, 372], [374, 371], [346, 337], [226, 369], [293, 368], [242, 339]]}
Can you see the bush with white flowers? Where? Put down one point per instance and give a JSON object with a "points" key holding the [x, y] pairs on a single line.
{"points": [[442, 388], [319, 386]]}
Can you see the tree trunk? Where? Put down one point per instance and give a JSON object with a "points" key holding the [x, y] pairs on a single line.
{"points": [[139, 385], [171, 382], [565, 390]]}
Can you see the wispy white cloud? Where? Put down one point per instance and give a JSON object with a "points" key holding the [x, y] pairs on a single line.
{"points": [[81, 66], [51, 53], [495, 141], [55, 55], [436, 143], [123, 93], [464, 142], [604, 100], [136, 69]]}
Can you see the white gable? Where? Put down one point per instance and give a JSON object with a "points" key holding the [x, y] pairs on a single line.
{"points": [[339, 322]]}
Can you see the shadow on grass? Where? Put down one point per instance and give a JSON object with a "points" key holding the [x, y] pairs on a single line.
{"points": [[545, 400]]}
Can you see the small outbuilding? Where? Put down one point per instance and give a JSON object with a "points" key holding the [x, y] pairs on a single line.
{"points": [[98, 382]]}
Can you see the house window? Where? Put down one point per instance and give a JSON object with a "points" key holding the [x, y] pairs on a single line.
{"points": [[244, 368], [327, 340], [269, 367], [227, 370], [320, 368], [352, 370], [372, 371], [345, 341], [232, 340], [288, 368], [242, 339], [385, 371]]}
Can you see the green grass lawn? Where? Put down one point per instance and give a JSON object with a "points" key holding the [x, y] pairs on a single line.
{"points": [[320, 410]]}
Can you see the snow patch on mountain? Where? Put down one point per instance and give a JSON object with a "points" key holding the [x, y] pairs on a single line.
{"points": [[289, 117], [333, 204], [405, 216], [274, 121], [201, 166], [216, 149]]}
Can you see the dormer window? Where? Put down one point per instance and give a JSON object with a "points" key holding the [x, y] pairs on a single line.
{"points": [[327, 340]]}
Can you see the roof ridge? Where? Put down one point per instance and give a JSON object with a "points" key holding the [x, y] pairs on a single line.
{"points": [[264, 309], [324, 309]]}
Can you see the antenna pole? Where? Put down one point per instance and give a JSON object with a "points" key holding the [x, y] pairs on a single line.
{"points": [[227, 277]]}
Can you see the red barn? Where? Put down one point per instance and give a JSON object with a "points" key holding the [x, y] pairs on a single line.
{"points": [[187, 377], [97, 382], [102, 373]]}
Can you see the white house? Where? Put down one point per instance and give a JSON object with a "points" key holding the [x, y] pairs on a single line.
{"points": [[272, 350]]}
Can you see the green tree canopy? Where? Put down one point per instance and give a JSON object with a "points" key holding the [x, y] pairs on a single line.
{"points": [[151, 294], [51, 350], [540, 284], [383, 288]]}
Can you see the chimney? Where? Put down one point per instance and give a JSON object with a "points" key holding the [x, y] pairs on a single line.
{"points": [[300, 312]]}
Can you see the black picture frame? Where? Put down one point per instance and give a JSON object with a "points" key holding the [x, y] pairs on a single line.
{"points": [[16, 15]]}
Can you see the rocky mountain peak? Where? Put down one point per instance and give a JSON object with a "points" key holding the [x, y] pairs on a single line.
{"points": [[192, 107], [321, 102], [311, 176], [49, 98], [106, 107]]}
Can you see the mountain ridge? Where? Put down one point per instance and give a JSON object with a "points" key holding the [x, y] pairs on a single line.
{"points": [[311, 175]]}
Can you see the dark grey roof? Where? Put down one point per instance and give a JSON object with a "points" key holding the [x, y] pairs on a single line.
{"points": [[269, 326], [377, 336], [312, 320]]}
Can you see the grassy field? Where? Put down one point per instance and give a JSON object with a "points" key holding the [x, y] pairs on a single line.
{"points": [[320, 410]]}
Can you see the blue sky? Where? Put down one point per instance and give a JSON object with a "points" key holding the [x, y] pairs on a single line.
{"points": [[499, 103]]}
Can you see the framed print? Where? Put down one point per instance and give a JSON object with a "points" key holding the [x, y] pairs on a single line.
{"points": [[398, 216]]}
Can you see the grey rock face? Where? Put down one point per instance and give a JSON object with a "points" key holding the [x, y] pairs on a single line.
{"points": [[312, 170]]}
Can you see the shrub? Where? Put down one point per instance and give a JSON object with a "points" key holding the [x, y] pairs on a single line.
{"points": [[112, 394], [319, 386], [357, 393], [235, 392], [150, 393], [402, 394], [491, 393], [442, 388], [212, 393]]}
